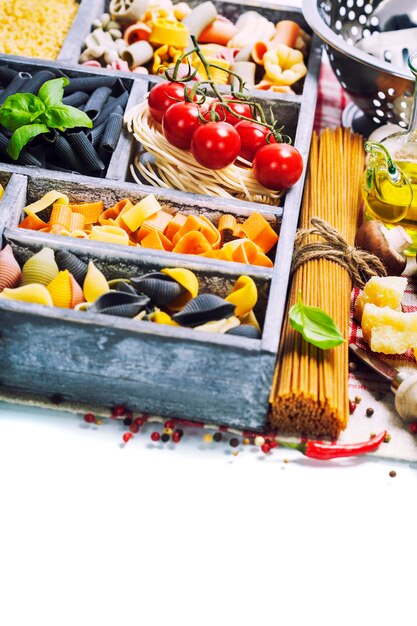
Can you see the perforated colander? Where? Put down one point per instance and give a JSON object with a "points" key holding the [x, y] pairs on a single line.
{"points": [[382, 90]]}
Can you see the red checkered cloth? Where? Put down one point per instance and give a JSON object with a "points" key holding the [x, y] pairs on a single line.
{"points": [[331, 99], [370, 390]]}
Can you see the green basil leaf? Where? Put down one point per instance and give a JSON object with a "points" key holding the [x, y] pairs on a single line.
{"points": [[64, 116], [20, 109], [52, 92], [22, 136], [315, 325]]}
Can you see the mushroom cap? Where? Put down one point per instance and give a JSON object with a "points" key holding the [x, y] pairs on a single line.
{"points": [[372, 238]]}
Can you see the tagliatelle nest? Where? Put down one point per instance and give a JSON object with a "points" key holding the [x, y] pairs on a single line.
{"points": [[174, 168]]}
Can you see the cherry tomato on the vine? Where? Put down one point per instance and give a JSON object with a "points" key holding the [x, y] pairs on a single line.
{"points": [[277, 166], [179, 123], [162, 96], [252, 136], [241, 108], [215, 145]]}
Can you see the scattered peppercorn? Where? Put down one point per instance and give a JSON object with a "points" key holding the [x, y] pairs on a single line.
{"points": [[170, 424], [286, 460], [138, 421], [127, 421], [352, 366], [259, 441], [89, 418], [273, 444], [357, 399], [127, 436], [207, 437], [217, 437], [352, 406], [235, 452], [413, 428], [393, 473], [134, 428], [129, 415], [180, 433], [265, 448], [118, 411], [387, 438], [246, 441], [99, 422], [369, 412], [175, 437], [165, 438], [155, 436], [234, 442], [168, 431]]}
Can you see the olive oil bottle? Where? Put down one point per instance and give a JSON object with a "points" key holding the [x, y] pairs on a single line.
{"points": [[386, 190], [401, 149]]}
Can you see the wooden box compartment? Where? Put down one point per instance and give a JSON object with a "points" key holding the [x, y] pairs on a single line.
{"points": [[82, 27], [69, 358], [117, 168]]}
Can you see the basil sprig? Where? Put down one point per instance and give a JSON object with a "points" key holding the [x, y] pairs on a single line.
{"points": [[315, 325], [29, 116]]}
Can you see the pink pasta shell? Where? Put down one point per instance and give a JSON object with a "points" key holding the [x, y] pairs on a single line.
{"points": [[77, 293], [10, 272]]}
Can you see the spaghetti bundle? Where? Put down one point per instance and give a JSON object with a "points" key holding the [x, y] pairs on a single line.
{"points": [[174, 168], [310, 389]]}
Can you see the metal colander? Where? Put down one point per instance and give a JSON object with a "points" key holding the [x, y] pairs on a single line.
{"points": [[382, 90]]}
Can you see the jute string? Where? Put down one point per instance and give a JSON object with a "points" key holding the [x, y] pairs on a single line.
{"points": [[359, 264]]}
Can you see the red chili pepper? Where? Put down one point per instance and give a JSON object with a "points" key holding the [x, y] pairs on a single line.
{"points": [[326, 451]]}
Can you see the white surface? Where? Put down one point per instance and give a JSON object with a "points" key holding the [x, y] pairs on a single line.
{"points": [[94, 533]]}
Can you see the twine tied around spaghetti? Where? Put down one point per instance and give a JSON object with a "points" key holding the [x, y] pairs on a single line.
{"points": [[359, 264]]}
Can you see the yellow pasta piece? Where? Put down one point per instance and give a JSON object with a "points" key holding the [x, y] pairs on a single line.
{"points": [[140, 212], [61, 214], [110, 234], [52, 197]]}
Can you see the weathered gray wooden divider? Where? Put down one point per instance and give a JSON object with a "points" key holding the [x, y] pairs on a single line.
{"points": [[72, 360]]}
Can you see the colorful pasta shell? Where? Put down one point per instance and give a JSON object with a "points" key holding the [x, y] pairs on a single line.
{"points": [[206, 307], [10, 272], [188, 280], [244, 295], [119, 303], [60, 289], [95, 283], [160, 288], [68, 261], [33, 293], [41, 268], [245, 330]]}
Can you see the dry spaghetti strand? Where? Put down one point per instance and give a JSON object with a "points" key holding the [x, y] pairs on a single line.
{"points": [[310, 389]]}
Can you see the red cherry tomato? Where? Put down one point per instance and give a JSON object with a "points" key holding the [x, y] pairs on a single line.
{"points": [[162, 96], [179, 123], [277, 166], [241, 108], [252, 137], [215, 145]]}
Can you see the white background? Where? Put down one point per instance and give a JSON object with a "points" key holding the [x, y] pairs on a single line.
{"points": [[94, 532]]}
